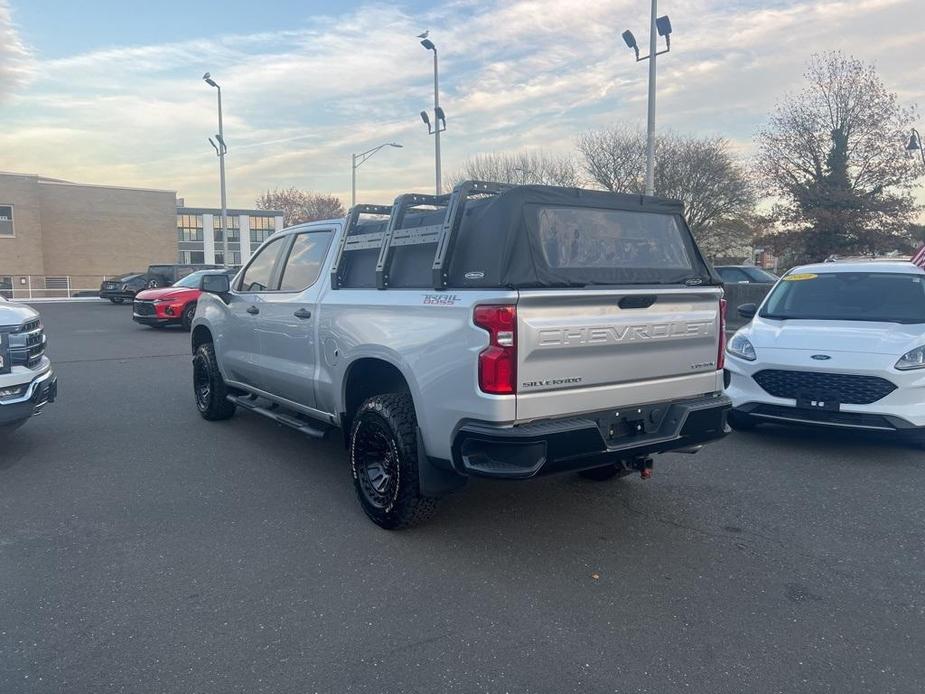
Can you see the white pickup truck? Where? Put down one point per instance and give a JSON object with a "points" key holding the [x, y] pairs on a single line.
{"points": [[27, 381], [498, 331]]}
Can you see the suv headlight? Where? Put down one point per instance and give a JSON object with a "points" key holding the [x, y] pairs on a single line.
{"points": [[913, 359], [739, 346]]}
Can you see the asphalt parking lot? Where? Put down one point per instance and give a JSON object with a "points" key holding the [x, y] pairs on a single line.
{"points": [[143, 549]]}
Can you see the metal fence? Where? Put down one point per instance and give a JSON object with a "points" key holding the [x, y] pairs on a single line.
{"points": [[20, 287]]}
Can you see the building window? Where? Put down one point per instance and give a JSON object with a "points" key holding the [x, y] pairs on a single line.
{"points": [[6, 287], [234, 228], [220, 257], [261, 229], [6, 220], [192, 257], [189, 227]]}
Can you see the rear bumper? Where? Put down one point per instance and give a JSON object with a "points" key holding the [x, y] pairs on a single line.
{"points": [[577, 443], [41, 391]]}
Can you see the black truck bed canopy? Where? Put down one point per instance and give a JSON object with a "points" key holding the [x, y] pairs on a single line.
{"points": [[491, 235]]}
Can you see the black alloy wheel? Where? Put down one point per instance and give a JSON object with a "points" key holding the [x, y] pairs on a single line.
{"points": [[209, 386], [376, 464], [384, 461]]}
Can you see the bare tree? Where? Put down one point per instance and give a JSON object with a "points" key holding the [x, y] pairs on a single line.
{"points": [[834, 156], [614, 158], [718, 195], [299, 206], [706, 177], [521, 168]]}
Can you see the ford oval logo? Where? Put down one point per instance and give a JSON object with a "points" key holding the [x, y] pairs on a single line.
{"points": [[821, 357]]}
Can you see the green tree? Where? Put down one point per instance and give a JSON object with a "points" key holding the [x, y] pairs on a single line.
{"points": [[833, 155]]}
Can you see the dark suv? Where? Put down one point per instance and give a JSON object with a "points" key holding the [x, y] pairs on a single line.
{"points": [[166, 275], [122, 288]]}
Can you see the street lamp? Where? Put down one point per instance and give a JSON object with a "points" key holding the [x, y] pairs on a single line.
{"points": [[662, 27], [221, 149], [915, 143], [359, 160], [439, 116]]}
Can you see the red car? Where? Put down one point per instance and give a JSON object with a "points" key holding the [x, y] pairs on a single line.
{"points": [[174, 305]]}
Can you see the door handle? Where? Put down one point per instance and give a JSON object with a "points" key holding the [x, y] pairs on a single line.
{"points": [[303, 313], [253, 310]]}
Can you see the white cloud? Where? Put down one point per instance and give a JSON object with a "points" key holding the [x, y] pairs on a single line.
{"points": [[15, 58], [515, 73]]}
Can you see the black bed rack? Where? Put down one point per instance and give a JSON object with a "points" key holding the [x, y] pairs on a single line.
{"points": [[442, 234]]}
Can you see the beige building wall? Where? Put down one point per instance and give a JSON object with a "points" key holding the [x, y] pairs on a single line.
{"points": [[101, 230], [22, 253]]}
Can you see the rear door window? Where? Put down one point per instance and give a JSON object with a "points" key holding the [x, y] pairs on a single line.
{"points": [[305, 260]]}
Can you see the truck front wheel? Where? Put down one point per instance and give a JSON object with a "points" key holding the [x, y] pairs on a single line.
{"points": [[384, 462], [209, 386]]}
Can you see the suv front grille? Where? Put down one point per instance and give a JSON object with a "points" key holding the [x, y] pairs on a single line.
{"points": [[27, 344], [143, 308], [848, 389]]}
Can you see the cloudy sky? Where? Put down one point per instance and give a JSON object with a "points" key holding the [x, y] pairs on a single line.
{"points": [[108, 91]]}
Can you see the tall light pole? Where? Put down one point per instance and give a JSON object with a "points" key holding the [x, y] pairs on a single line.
{"points": [[661, 26], [221, 150], [439, 116], [358, 161]]}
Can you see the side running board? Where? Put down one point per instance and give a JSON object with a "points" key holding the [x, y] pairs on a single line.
{"points": [[302, 424]]}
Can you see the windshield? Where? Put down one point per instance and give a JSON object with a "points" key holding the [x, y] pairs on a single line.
{"points": [[191, 281], [859, 296]]}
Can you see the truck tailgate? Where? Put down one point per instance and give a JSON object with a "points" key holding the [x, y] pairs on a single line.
{"points": [[587, 350]]}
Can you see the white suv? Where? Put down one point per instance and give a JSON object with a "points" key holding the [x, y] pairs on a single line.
{"points": [[838, 345]]}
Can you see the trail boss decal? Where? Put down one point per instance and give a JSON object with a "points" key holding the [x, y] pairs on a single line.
{"points": [[441, 299]]}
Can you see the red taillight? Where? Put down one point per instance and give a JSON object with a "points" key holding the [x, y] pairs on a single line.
{"points": [[721, 354], [498, 362]]}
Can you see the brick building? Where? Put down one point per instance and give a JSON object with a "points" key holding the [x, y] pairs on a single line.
{"points": [[61, 236]]}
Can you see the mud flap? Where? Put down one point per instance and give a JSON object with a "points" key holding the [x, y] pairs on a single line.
{"points": [[434, 481]]}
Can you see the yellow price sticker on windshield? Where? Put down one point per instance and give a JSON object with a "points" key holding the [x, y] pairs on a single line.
{"points": [[800, 276]]}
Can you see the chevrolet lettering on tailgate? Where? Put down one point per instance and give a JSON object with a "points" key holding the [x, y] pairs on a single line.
{"points": [[618, 334]]}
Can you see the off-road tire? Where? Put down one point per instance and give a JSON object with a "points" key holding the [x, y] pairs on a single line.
{"points": [[740, 421], [116, 301], [153, 283], [602, 474], [383, 433], [189, 312], [213, 403]]}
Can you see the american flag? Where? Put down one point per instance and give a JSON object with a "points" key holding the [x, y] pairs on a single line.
{"points": [[919, 256]]}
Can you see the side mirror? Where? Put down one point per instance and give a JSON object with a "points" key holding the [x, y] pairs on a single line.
{"points": [[216, 284], [747, 310]]}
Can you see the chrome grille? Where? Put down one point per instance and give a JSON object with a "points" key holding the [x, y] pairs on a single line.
{"points": [[27, 344]]}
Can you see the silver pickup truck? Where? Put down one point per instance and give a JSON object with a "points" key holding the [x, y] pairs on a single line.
{"points": [[27, 380], [498, 331]]}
